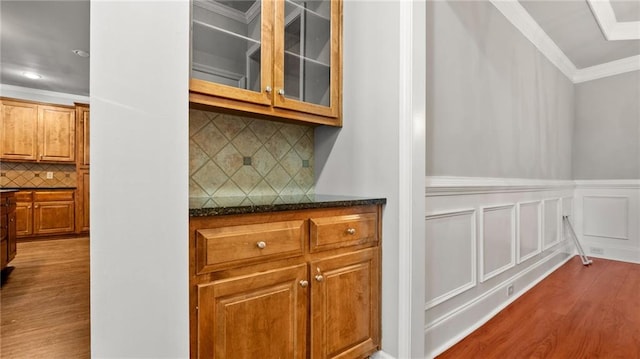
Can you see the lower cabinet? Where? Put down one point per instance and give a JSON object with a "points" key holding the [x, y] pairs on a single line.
{"points": [[82, 202], [45, 212], [7, 228], [261, 287]]}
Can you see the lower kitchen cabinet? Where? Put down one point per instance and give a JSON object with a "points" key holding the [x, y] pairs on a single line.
{"points": [[82, 202], [48, 212], [7, 228], [290, 284]]}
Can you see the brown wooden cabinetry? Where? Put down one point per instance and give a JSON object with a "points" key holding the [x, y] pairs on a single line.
{"points": [[82, 201], [82, 168], [47, 212], [82, 126], [292, 284], [33, 132], [7, 228], [279, 59]]}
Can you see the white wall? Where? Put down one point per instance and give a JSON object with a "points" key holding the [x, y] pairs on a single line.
{"points": [[139, 174], [379, 151]]}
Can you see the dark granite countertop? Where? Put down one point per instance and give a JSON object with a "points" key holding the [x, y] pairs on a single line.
{"points": [[220, 206], [37, 188], [5, 190]]}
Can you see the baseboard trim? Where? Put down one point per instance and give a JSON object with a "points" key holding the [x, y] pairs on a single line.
{"points": [[381, 355]]}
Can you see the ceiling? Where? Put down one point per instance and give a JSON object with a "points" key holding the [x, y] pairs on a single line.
{"points": [[39, 36]]}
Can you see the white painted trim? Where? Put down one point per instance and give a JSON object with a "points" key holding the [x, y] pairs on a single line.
{"points": [[558, 220], [512, 263], [610, 184], [611, 28], [5, 91], [584, 223], [519, 257], [449, 185], [382, 355], [501, 287], [474, 250], [405, 182], [612, 68], [521, 20]]}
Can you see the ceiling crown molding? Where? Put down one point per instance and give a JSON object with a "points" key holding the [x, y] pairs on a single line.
{"points": [[522, 20], [611, 28]]}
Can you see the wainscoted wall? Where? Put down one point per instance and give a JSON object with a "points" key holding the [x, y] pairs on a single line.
{"points": [[483, 236], [26, 174], [607, 218], [235, 157]]}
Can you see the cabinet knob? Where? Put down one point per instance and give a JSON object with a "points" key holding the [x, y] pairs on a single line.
{"points": [[261, 245], [36, 206], [11, 220], [304, 283], [28, 207], [281, 92], [319, 278], [268, 89], [351, 231]]}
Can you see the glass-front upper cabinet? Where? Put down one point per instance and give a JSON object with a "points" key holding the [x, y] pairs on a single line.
{"points": [[279, 58]]}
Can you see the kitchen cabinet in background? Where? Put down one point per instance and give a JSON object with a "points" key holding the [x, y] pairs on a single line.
{"points": [[34, 132], [82, 168], [290, 284], [7, 228], [45, 212], [279, 59]]}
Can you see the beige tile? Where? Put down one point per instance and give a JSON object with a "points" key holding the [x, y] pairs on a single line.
{"points": [[304, 179], [195, 190], [291, 189], [246, 142], [263, 161], [277, 145], [292, 133], [292, 163], [278, 178], [210, 177], [229, 189], [304, 148], [197, 120], [231, 201], [210, 140], [230, 126], [263, 129], [197, 157], [246, 178], [229, 159], [263, 189]]}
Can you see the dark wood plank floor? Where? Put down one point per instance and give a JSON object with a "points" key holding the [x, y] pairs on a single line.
{"points": [[577, 312], [44, 301]]}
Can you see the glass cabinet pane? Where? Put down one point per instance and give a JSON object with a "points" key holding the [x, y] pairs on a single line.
{"points": [[226, 37], [307, 47]]}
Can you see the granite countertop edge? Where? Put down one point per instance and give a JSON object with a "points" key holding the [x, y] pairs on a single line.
{"points": [[263, 208], [36, 188]]}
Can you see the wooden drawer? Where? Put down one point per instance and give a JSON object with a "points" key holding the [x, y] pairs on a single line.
{"points": [[52, 196], [24, 196], [230, 246], [343, 231]]}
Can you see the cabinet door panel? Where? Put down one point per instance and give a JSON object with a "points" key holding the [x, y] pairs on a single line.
{"points": [[231, 51], [83, 136], [53, 217], [24, 219], [57, 134], [345, 305], [262, 315], [18, 128]]}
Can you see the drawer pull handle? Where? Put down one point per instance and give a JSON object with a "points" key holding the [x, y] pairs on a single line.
{"points": [[304, 283], [319, 278], [351, 231], [261, 245]]}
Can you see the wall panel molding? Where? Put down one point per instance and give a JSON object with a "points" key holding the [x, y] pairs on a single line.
{"points": [[454, 185], [497, 227], [528, 230], [551, 221], [446, 244], [605, 216]]}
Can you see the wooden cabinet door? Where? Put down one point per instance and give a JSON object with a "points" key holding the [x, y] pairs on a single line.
{"points": [[11, 236], [307, 50], [57, 136], [82, 202], [18, 131], [24, 219], [345, 305], [82, 130], [262, 315], [53, 217]]}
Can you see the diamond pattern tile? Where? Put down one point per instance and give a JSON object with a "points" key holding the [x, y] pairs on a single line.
{"points": [[221, 144], [24, 174]]}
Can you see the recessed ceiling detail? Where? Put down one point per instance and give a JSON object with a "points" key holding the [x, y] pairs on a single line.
{"points": [[612, 29]]}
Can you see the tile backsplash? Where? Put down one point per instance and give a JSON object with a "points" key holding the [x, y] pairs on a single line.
{"points": [[26, 174], [232, 156]]}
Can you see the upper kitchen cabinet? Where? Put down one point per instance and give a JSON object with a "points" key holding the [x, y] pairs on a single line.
{"points": [[33, 132], [82, 133], [279, 59]]}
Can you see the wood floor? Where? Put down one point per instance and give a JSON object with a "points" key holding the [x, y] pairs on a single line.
{"points": [[577, 312], [44, 301]]}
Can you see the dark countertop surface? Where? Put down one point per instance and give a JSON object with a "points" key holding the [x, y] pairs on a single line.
{"points": [[37, 188], [4, 190], [220, 206]]}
